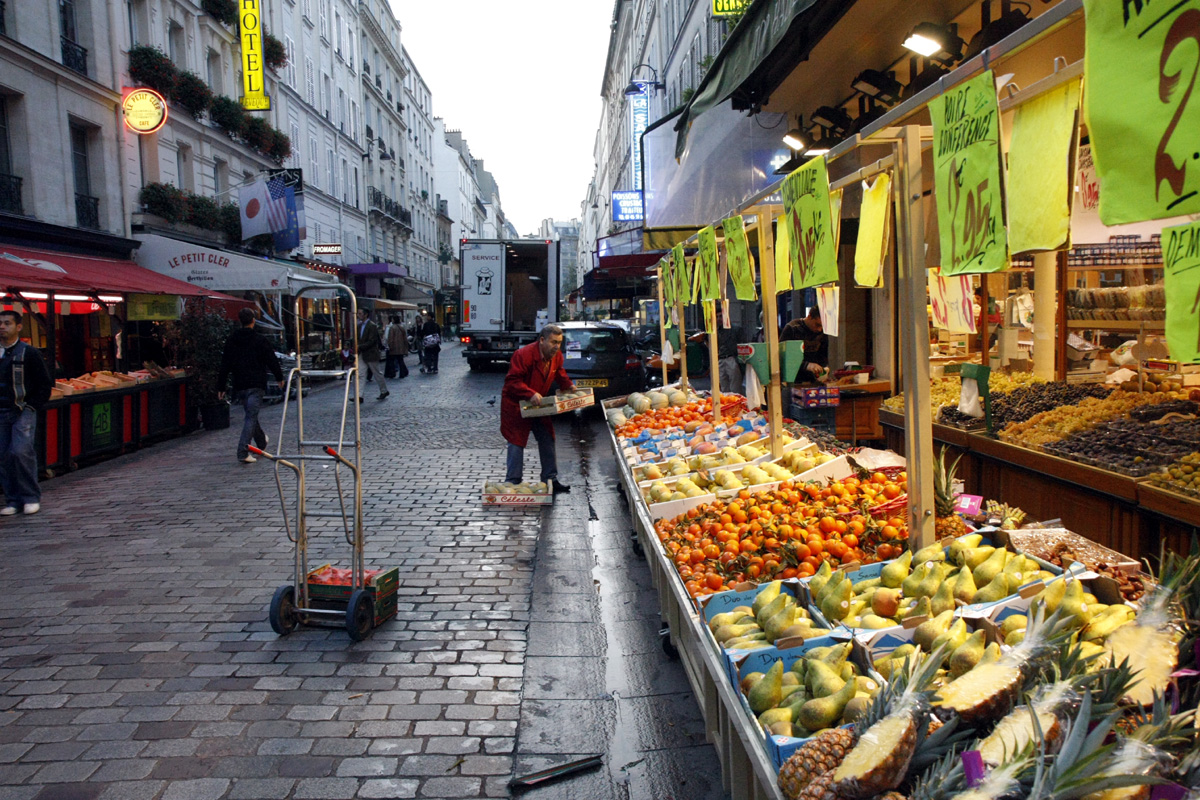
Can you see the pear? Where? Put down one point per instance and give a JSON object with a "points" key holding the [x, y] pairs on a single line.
{"points": [[766, 595], [777, 624], [932, 552], [835, 655], [885, 602], [930, 629], [964, 586], [769, 691], [1074, 603], [727, 632], [918, 609], [987, 571], [894, 573], [774, 715], [823, 680], [991, 654], [959, 547], [875, 622], [836, 605], [791, 681], [728, 618], [869, 583], [884, 666], [909, 585], [796, 699], [782, 728], [996, 589], [928, 587], [822, 712], [855, 708], [832, 585], [973, 558], [747, 643], [904, 650], [819, 579], [967, 655], [801, 630], [1013, 623], [1103, 624], [1052, 595], [774, 607], [751, 678], [1015, 638], [849, 671], [952, 639], [866, 685], [943, 599]]}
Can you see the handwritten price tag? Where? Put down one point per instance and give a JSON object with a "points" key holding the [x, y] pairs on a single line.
{"points": [[708, 268], [1141, 68], [741, 263], [952, 302], [809, 220], [966, 171], [1181, 262]]}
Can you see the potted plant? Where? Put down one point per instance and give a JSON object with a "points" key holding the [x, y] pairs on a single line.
{"points": [[197, 342]]}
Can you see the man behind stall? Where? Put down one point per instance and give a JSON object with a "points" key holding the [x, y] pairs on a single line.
{"points": [[534, 372], [816, 344]]}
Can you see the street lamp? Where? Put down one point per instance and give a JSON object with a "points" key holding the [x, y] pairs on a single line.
{"points": [[637, 87]]}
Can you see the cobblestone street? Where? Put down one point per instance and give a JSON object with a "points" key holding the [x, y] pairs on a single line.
{"points": [[137, 663]]}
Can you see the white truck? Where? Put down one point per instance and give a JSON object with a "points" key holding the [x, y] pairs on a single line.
{"points": [[509, 291]]}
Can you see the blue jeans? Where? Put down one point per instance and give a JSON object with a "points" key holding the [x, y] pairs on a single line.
{"points": [[545, 443], [251, 400], [18, 457]]}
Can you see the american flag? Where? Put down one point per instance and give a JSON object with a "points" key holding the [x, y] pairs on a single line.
{"points": [[277, 206]]}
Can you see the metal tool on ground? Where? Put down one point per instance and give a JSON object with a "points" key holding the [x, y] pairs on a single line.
{"points": [[327, 595], [534, 779]]}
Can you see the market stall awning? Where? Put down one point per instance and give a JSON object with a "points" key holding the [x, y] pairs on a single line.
{"points": [[381, 304], [28, 268], [221, 270], [379, 269]]}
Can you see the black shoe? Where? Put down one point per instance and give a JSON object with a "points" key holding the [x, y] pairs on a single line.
{"points": [[561, 488], [384, 396], [362, 399]]}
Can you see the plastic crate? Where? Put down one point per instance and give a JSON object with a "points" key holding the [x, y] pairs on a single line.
{"points": [[817, 397], [821, 418]]}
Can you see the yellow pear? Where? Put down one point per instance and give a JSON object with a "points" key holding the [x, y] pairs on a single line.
{"points": [[894, 573], [964, 586], [987, 571], [930, 629], [973, 558], [943, 598]]}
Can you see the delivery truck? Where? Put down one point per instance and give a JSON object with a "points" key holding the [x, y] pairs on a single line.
{"points": [[509, 291]]}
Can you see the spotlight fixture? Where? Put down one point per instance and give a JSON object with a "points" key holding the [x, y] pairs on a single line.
{"points": [[881, 86], [922, 78], [794, 138], [868, 112], [833, 119], [939, 43], [992, 31]]}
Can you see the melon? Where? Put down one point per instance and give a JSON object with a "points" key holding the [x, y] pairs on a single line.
{"points": [[616, 419], [639, 402], [658, 400], [677, 398]]}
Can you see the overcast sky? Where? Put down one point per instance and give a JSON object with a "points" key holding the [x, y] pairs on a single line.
{"points": [[521, 80]]}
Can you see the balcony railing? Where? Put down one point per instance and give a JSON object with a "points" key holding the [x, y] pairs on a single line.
{"points": [[74, 56], [87, 212], [370, 133], [10, 194], [389, 95], [366, 67], [378, 82], [378, 201]]}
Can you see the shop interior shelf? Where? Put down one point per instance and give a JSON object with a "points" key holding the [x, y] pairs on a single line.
{"points": [[1151, 325]]}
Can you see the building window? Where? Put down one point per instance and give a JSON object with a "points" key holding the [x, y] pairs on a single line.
{"points": [[345, 182], [326, 95], [215, 73], [66, 13], [10, 185], [295, 159], [314, 165], [310, 82], [87, 207], [330, 172], [341, 111], [220, 177], [176, 44], [183, 167], [324, 22], [290, 46], [139, 24], [356, 198]]}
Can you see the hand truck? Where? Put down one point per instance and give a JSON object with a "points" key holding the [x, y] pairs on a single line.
{"points": [[294, 604]]}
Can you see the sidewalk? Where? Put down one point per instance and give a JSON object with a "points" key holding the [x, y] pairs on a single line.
{"points": [[136, 660]]}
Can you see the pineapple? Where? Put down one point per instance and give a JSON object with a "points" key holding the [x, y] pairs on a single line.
{"points": [[1149, 748], [818, 755], [947, 524], [989, 691]]}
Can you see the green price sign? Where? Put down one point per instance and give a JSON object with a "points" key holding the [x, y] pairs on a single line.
{"points": [[737, 254], [1181, 282], [809, 219], [102, 433], [683, 277], [966, 173], [1140, 69], [709, 267]]}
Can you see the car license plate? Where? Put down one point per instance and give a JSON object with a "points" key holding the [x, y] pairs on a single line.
{"points": [[504, 345], [595, 383]]}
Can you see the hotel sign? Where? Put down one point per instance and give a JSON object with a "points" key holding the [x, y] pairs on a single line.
{"points": [[254, 89]]}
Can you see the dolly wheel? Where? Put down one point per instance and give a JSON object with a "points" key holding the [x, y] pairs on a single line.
{"points": [[360, 614], [283, 610]]}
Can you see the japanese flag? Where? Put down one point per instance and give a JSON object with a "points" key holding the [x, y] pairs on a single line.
{"points": [[252, 201]]}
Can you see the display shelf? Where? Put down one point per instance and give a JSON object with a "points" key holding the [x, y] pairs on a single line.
{"points": [[1174, 505], [1150, 325]]}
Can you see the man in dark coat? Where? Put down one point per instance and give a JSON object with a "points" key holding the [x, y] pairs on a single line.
{"points": [[25, 386], [431, 344], [535, 370], [248, 357], [370, 347], [816, 344]]}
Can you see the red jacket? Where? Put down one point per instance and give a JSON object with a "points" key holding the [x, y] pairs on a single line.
{"points": [[528, 374]]}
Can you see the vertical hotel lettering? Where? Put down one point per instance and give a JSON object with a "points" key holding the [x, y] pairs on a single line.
{"points": [[254, 90]]}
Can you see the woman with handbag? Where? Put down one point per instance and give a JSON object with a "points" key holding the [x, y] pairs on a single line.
{"points": [[431, 342]]}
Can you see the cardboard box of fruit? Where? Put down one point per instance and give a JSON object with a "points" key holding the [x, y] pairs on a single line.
{"points": [[559, 403], [497, 493]]}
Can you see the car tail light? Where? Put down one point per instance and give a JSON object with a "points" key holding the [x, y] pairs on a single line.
{"points": [[466, 340], [632, 362]]}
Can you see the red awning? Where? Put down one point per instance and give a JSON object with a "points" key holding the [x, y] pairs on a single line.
{"points": [[27, 268], [630, 265]]}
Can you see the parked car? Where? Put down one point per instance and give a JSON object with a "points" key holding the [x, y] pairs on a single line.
{"points": [[601, 356]]}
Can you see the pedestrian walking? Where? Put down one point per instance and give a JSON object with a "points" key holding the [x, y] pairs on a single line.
{"points": [[728, 370], [534, 372], [369, 344], [25, 386], [397, 348], [431, 343], [248, 357]]}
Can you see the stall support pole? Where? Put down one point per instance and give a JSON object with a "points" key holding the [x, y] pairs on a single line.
{"points": [[683, 376], [662, 327], [51, 336], [766, 249], [1045, 313], [1060, 315], [714, 365], [914, 341]]}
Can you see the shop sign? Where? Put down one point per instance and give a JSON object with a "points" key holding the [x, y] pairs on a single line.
{"points": [[1181, 263], [783, 262], [102, 432], [709, 269], [330, 249], [1143, 116], [966, 174], [157, 307], [873, 229], [1044, 137], [667, 281], [627, 206], [809, 219], [145, 110], [254, 88], [728, 8], [639, 120], [737, 255]]}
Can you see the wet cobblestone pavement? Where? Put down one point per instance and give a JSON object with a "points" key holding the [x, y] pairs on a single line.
{"points": [[136, 660]]}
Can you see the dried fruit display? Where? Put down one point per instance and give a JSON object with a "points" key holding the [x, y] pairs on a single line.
{"points": [[1181, 476], [825, 441], [1055, 425], [947, 391], [1130, 451], [1024, 402]]}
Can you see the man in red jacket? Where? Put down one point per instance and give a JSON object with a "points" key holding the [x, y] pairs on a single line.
{"points": [[534, 371]]}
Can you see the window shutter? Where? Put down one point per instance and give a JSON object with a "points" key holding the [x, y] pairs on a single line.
{"points": [[310, 82]]}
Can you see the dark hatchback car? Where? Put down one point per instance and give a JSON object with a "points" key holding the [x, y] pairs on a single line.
{"points": [[601, 356]]}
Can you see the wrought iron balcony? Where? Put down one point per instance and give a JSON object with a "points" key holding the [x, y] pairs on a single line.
{"points": [[74, 56], [380, 202], [378, 82], [366, 67], [87, 212], [10, 194], [389, 95], [370, 133]]}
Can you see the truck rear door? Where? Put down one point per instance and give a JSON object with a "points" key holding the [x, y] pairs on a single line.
{"points": [[483, 286]]}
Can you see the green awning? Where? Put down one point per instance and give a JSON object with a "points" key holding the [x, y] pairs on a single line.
{"points": [[773, 37]]}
